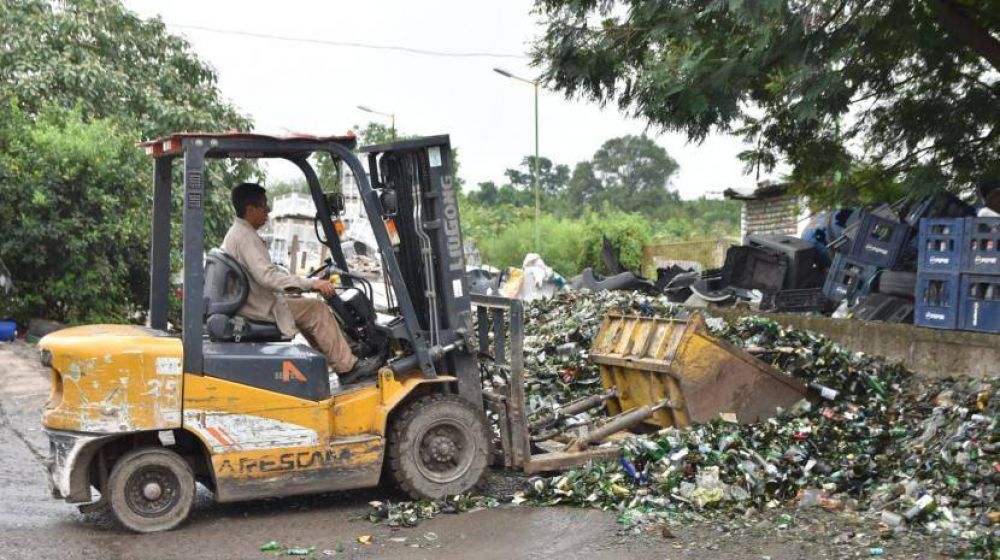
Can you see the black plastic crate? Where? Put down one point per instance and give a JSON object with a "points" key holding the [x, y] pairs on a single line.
{"points": [[753, 268], [979, 303], [940, 244], [804, 270], [848, 278], [939, 205], [884, 307], [981, 254], [937, 300], [805, 300], [880, 241]]}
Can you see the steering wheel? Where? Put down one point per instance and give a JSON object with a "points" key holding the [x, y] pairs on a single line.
{"points": [[324, 271]]}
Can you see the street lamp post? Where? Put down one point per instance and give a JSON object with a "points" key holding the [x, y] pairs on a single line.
{"points": [[392, 118], [534, 84]]}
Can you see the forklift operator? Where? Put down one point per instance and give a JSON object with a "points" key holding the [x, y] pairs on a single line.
{"points": [[268, 284]]}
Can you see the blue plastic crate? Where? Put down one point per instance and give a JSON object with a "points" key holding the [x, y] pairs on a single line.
{"points": [[979, 303], [940, 244], [936, 300], [848, 278], [982, 246], [880, 241]]}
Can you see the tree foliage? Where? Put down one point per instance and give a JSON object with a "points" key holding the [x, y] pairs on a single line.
{"points": [[91, 67], [584, 189], [569, 244], [629, 173], [551, 177], [76, 210], [622, 193], [865, 98], [634, 172], [98, 55]]}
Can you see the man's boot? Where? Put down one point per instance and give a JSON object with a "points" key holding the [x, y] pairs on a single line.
{"points": [[363, 368]]}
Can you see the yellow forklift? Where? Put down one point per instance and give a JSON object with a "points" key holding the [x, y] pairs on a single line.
{"points": [[142, 414]]}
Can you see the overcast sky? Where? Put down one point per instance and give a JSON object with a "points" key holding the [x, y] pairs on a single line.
{"points": [[316, 88]]}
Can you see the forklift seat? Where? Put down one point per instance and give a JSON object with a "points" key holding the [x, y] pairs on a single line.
{"points": [[226, 290]]}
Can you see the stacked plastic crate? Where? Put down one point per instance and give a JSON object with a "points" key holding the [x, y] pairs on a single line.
{"points": [[979, 299], [939, 265], [879, 244], [958, 274]]}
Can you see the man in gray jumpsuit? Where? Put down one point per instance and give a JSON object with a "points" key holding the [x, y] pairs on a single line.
{"points": [[270, 285]]}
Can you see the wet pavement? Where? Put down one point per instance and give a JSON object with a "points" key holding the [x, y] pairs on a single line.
{"points": [[33, 525]]}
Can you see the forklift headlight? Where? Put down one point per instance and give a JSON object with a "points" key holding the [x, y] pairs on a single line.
{"points": [[45, 356]]}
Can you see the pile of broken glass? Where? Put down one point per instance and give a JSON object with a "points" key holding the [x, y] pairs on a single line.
{"points": [[874, 438]]}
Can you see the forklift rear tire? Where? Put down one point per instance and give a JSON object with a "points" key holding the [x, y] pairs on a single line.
{"points": [[438, 446], [151, 489]]}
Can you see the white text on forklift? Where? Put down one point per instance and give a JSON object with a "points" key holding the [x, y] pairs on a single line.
{"points": [[451, 227]]}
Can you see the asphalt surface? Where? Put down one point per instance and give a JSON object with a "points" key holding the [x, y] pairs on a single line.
{"points": [[34, 525]]}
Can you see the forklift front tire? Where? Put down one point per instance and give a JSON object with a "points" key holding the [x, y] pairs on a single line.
{"points": [[151, 489], [438, 446]]}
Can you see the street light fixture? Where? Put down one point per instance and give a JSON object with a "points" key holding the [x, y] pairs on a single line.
{"points": [[392, 117], [534, 83]]}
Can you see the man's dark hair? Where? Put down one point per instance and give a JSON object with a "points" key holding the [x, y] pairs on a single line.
{"points": [[244, 195]]}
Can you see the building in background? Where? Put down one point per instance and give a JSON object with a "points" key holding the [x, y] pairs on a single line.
{"points": [[290, 235], [771, 208], [354, 211]]}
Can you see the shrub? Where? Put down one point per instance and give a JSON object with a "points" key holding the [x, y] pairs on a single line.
{"points": [[75, 216]]}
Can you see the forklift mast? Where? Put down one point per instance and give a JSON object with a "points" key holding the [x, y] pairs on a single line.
{"points": [[418, 201]]}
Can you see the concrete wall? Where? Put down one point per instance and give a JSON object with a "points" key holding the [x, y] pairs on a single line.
{"points": [[929, 352], [709, 253]]}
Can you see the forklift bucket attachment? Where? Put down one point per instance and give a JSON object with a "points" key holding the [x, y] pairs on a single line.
{"points": [[649, 360]]}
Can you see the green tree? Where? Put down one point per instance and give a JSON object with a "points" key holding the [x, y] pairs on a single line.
{"points": [[124, 74], [377, 133], [628, 232], [509, 196], [486, 194], [552, 178], [329, 171], [102, 57], [634, 172], [869, 98], [76, 202], [583, 191]]}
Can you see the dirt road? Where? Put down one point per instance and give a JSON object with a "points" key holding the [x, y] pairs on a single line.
{"points": [[33, 525]]}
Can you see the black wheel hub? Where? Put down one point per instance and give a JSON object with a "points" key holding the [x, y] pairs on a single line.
{"points": [[152, 491], [444, 453]]}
